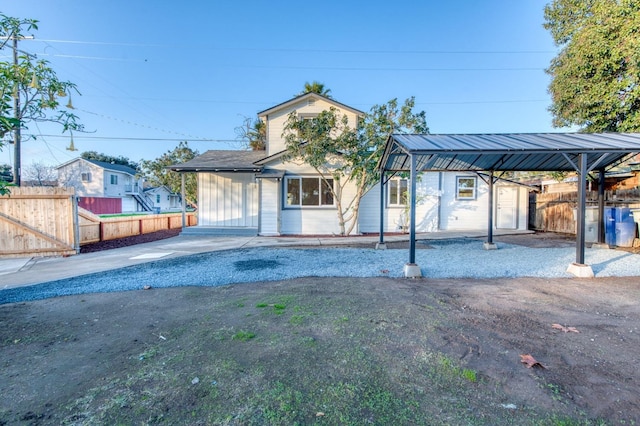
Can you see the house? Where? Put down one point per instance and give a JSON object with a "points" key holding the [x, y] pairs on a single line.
{"points": [[163, 198], [260, 192], [104, 187]]}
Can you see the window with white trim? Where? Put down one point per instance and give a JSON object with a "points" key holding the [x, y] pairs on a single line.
{"points": [[398, 191], [466, 187], [85, 177], [308, 192], [114, 179]]}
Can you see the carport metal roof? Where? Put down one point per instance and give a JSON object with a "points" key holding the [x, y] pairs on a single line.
{"points": [[507, 152], [580, 152]]}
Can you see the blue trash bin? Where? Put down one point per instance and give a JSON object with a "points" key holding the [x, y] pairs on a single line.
{"points": [[625, 234], [623, 214], [610, 225]]}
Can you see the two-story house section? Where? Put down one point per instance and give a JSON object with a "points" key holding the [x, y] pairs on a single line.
{"points": [[104, 187], [267, 193]]}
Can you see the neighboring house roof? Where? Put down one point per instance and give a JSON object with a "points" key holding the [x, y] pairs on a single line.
{"points": [[290, 102], [222, 161], [156, 188], [104, 165]]}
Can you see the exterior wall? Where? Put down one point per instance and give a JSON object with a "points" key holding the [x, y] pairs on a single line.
{"points": [[71, 175], [306, 220], [428, 192], [277, 120], [168, 200], [227, 200], [463, 214], [270, 190]]}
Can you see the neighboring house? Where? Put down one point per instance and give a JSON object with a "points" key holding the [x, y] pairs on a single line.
{"points": [[104, 187], [163, 199], [259, 193]]}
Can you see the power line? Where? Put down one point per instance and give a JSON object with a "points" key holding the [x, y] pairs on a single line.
{"points": [[307, 50], [120, 138]]}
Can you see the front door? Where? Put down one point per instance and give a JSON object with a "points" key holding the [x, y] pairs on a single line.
{"points": [[507, 207]]}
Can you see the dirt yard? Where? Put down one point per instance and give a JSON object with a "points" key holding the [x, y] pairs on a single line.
{"points": [[328, 351]]}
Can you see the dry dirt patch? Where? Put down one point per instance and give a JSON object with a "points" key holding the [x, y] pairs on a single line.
{"points": [[327, 350]]}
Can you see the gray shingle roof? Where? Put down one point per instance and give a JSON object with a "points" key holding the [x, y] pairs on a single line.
{"points": [[222, 161]]}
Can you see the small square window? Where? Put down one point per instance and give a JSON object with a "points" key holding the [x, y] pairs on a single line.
{"points": [[466, 187], [398, 192], [85, 177]]}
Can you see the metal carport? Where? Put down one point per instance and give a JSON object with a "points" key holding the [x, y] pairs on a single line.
{"points": [[580, 152]]}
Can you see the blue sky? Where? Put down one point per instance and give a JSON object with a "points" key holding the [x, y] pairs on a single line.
{"points": [[153, 73]]}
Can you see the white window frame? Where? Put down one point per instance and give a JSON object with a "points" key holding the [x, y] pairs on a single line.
{"points": [[396, 200], [113, 179], [470, 192], [288, 202], [85, 176]]}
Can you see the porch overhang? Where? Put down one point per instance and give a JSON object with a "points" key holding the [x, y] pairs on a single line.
{"points": [[580, 152]]}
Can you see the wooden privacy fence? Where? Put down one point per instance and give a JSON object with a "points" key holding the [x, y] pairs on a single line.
{"points": [[46, 221], [556, 212], [94, 228], [38, 221]]}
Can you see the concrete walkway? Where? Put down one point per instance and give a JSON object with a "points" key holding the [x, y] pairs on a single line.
{"points": [[17, 272]]}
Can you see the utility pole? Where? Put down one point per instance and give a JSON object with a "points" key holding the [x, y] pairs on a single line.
{"points": [[17, 137]]}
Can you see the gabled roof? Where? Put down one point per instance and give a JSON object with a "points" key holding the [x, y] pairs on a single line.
{"points": [[103, 164], [222, 161], [306, 96], [507, 152]]}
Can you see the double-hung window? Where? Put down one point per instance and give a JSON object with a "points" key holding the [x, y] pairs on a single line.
{"points": [[466, 187], [308, 192], [114, 179], [85, 177], [398, 191]]}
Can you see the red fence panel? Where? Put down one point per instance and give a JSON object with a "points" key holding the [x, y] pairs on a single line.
{"points": [[99, 205]]}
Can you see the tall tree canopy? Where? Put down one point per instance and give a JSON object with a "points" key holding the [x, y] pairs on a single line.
{"points": [[344, 155], [156, 173], [123, 161], [253, 133], [316, 87], [30, 90], [596, 76]]}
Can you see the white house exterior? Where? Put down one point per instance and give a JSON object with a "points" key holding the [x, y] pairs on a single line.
{"points": [[98, 179], [163, 199], [260, 193]]}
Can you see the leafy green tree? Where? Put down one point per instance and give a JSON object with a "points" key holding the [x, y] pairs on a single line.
{"points": [[316, 87], [343, 155], [156, 172], [596, 76], [96, 156], [253, 133], [30, 90]]}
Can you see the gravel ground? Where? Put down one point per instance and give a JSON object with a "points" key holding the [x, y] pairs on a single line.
{"points": [[458, 258]]}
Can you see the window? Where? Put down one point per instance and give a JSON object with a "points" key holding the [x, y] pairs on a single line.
{"points": [[114, 179], [311, 191], [85, 177], [465, 188], [398, 192], [158, 198]]}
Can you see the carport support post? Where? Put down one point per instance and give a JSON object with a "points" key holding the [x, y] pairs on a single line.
{"points": [[184, 202], [411, 269], [579, 268], [381, 245], [601, 219], [489, 245]]}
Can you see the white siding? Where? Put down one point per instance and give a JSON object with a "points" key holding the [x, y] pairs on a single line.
{"points": [[277, 120], [428, 192], [463, 214], [227, 199], [269, 207]]}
